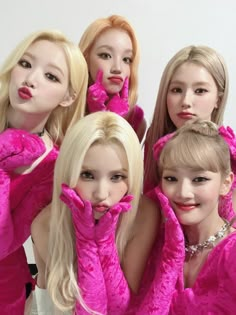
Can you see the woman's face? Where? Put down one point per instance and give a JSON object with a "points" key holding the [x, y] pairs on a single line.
{"points": [[112, 53], [192, 94], [104, 176], [40, 80]]}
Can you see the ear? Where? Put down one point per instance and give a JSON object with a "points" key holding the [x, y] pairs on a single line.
{"points": [[226, 184], [68, 99]]}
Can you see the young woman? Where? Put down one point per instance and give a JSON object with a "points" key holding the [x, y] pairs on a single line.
{"points": [[42, 93], [194, 85], [89, 216], [111, 50], [194, 167]]}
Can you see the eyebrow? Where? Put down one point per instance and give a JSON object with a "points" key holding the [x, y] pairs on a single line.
{"points": [[112, 48], [87, 168], [195, 83], [53, 65]]}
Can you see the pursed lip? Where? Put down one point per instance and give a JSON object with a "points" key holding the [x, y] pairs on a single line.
{"points": [[186, 206], [24, 93], [116, 79], [186, 115], [100, 207]]}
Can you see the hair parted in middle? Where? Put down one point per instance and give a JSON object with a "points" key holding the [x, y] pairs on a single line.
{"points": [[197, 145], [98, 128], [61, 117], [161, 124], [96, 29]]}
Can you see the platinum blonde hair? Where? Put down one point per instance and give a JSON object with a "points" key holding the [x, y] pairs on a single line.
{"points": [[99, 26], [100, 128], [61, 117], [161, 123], [199, 146]]}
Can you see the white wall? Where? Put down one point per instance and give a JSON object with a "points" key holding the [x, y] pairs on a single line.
{"points": [[162, 27]]}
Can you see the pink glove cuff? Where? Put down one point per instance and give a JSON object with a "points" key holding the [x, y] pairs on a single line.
{"points": [[19, 148]]}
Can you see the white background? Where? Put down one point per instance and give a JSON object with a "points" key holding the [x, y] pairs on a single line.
{"points": [[162, 27]]}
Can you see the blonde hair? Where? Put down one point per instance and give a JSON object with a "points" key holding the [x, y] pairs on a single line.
{"points": [[103, 128], [199, 146], [161, 123], [61, 117], [99, 26]]}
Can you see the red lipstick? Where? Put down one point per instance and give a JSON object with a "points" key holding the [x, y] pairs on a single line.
{"points": [[185, 115], [186, 207], [116, 79], [24, 93]]}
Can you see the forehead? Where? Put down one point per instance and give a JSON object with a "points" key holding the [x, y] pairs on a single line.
{"points": [[189, 71], [110, 156], [114, 37], [48, 52]]}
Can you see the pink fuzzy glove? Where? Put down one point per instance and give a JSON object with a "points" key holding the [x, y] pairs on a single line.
{"points": [[118, 292], [119, 103], [97, 95], [19, 148], [90, 276], [158, 299]]}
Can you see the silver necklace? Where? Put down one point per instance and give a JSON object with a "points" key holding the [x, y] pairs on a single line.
{"points": [[209, 243]]}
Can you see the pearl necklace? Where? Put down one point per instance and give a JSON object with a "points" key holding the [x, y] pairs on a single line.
{"points": [[209, 243]]}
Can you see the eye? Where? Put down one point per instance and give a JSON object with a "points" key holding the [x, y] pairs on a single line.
{"points": [[24, 63], [128, 60], [52, 77], [118, 178], [200, 91], [86, 175], [200, 179], [170, 178], [104, 56], [176, 90]]}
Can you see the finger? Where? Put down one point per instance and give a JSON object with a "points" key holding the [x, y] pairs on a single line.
{"points": [[99, 76], [127, 198], [69, 194], [125, 89]]}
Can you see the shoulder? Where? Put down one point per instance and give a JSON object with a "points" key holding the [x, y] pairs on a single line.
{"points": [[41, 222]]}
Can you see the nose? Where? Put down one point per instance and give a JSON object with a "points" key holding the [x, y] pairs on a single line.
{"points": [[31, 79], [184, 191], [101, 191], [187, 100], [116, 66]]}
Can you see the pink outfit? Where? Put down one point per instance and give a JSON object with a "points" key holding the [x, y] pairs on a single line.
{"points": [[29, 193], [100, 278], [214, 291]]}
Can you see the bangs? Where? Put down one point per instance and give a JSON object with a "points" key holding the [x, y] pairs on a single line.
{"points": [[190, 151]]}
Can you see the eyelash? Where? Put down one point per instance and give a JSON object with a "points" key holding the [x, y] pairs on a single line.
{"points": [[197, 91], [27, 65], [198, 179], [89, 176], [106, 56]]}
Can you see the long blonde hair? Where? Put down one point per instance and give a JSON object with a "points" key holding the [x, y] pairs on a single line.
{"points": [[61, 117], [99, 127], [161, 123], [95, 29]]}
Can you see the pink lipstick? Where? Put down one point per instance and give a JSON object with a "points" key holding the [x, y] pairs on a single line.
{"points": [[24, 93], [100, 208], [116, 79]]}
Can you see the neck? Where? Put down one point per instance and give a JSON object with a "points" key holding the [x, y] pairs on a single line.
{"points": [[198, 233], [29, 122]]}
